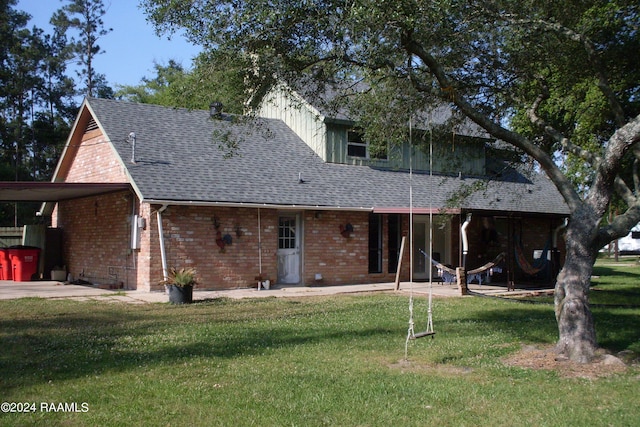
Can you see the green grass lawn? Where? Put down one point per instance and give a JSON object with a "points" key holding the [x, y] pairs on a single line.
{"points": [[335, 361], [612, 284], [616, 283]]}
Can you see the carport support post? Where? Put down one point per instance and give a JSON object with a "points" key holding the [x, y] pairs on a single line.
{"points": [[399, 267], [461, 274]]}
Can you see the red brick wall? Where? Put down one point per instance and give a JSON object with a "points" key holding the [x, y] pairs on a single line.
{"points": [[96, 235], [345, 260], [337, 258], [95, 161], [190, 241], [97, 230]]}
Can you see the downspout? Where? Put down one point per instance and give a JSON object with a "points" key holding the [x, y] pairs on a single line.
{"points": [[132, 252], [259, 245], [163, 254], [555, 253], [465, 241], [556, 231]]}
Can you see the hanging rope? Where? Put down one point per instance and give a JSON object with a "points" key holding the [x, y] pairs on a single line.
{"points": [[411, 335], [429, 310], [410, 331]]}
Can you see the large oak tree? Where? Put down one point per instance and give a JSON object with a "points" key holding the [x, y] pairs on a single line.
{"points": [[559, 81]]}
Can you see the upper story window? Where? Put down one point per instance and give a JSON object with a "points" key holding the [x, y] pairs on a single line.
{"points": [[358, 147]]}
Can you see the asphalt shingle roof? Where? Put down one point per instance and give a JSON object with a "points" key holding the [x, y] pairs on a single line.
{"points": [[179, 159]]}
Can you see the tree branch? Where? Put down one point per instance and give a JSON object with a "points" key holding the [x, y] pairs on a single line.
{"points": [[565, 187], [557, 135], [623, 191], [636, 165], [619, 227], [618, 145], [592, 56]]}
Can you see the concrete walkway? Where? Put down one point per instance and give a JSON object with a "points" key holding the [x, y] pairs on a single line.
{"points": [[50, 289]]}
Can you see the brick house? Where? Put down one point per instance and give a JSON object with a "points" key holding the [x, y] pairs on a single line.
{"points": [[293, 196]]}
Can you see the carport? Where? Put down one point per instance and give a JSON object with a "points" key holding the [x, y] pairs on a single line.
{"points": [[49, 193], [28, 191]]}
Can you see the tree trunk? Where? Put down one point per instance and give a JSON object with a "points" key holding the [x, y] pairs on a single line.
{"points": [[577, 334]]}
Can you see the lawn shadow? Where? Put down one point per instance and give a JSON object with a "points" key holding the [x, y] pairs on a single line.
{"points": [[616, 328], [601, 270], [68, 345], [517, 320], [56, 341]]}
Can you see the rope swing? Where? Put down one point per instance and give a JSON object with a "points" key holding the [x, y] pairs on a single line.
{"points": [[411, 334]]}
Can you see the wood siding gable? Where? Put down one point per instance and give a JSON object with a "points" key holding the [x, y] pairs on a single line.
{"points": [[459, 154], [452, 154], [284, 104]]}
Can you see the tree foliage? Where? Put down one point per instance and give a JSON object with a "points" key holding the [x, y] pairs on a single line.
{"points": [[83, 18], [556, 80], [216, 77], [38, 97]]}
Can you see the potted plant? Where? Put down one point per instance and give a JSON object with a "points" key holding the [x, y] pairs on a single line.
{"points": [[180, 283]]}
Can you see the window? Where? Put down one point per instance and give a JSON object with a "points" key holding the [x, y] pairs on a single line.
{"points": [[287, 233], [358, 147], [375, 243], [395, 240]]}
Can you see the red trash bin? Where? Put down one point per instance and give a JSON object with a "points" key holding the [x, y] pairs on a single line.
{"points": [[24, 261], [5, 265]]}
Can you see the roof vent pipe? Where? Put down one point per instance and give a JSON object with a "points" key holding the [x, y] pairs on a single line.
{"points": [[132, 140], [215, 110]]}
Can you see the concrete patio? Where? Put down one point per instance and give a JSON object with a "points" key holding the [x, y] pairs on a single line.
{"points": [[59, 290]]}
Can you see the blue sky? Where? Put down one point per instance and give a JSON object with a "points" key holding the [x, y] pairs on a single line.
{"points": [[131, 48]]}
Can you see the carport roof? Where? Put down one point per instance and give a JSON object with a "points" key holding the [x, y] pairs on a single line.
{"points": [[21, 191]]}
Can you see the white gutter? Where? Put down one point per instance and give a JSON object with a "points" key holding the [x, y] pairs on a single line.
{"points": [[465, 241], [163, 254], [258, 205]]}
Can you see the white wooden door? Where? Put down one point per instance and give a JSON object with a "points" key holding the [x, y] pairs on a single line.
{"points": [[289, 249]]}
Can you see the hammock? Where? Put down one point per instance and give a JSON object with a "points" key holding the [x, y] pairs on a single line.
{"points": [[487, 269], [525, 266], [448, 274]]}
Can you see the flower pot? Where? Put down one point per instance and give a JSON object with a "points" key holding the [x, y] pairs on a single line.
{"points": [[180, 294]]}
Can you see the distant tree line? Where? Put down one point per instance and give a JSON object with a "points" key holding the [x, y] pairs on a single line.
{"points": [[38, 95], [216, 76]]}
